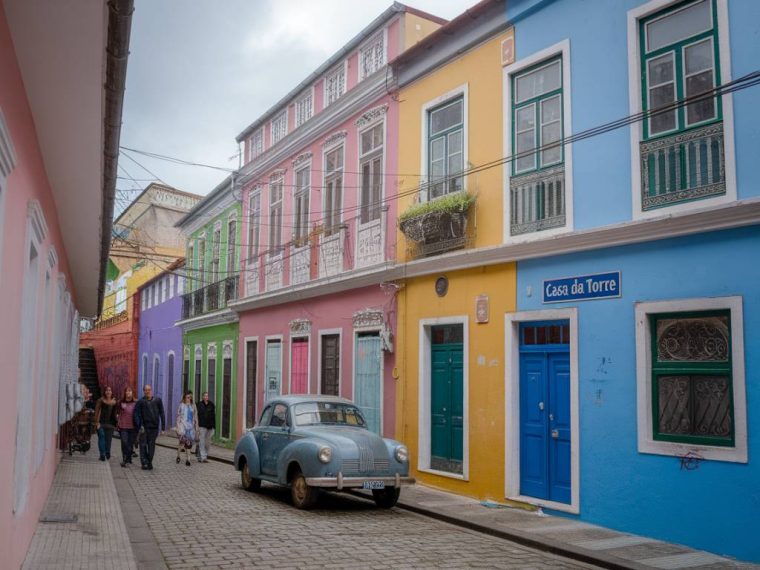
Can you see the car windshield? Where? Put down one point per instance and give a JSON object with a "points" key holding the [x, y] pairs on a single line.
{"points": [[330, 413]]}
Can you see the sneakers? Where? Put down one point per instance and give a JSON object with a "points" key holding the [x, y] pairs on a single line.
{"points": [[102, 458], [187, 462], [123, 463]]}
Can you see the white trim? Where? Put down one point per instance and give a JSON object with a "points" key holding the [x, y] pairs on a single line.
{"points": [[424, 381], [144, 375], [267, 338], [646, 443], [329, 73], [634, 98], [277, 117], [246, 340], [512, 407], [363, 46], [320, 334], [357, 332], [463, 91], [156, 387], [7, 164], [299, 336], [562, 49]]}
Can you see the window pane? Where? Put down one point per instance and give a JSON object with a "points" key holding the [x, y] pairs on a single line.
{"points": [[666, 120], [696, 339], [673, 398], [550, 110], [455, 142], [712, 406], [699, 57], [549, 134], [679, 25], [660, 70], [526, 141], [437, 149], [538, 82], [446, 117], [700, 110], [526, 118]]}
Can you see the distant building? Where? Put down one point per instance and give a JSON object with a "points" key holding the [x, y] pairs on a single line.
{"points": [[62, 75]]}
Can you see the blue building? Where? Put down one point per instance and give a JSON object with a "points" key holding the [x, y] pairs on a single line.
{"points": [[633, 382]]}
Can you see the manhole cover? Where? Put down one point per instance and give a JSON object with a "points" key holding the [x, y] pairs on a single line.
{"points": [[62, 518]]}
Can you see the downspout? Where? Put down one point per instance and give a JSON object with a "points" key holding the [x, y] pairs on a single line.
{"points": [[117, 52]]}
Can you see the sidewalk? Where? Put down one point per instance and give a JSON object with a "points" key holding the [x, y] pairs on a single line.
{"points": [[565, 537], [81, 525]]}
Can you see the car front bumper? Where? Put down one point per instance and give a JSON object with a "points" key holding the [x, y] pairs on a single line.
{"points": [[340, 482]]}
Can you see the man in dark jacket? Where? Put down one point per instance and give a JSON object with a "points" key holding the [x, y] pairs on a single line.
{"points": [[149, 416], [206, 424]]}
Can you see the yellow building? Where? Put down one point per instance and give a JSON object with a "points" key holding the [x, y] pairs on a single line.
{"points": [[451, 334]]}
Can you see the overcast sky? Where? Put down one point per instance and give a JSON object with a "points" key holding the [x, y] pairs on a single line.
{"points": [[199, 72]]}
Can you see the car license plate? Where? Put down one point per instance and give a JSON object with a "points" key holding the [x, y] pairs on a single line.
{"points": [[373, 485]]}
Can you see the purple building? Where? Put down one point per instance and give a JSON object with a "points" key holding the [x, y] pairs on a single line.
{"points": [[160, 342]]}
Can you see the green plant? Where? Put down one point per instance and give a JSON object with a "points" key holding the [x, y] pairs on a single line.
{"points": [[451, 203]]}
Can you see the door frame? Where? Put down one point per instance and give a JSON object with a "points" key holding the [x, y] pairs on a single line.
{"points": [[512, 323], [299, 336], [265, 384], [320, 334], [425, 391], [246, 340], [357, 332]]}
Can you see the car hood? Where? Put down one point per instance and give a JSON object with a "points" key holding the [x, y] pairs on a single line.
{"points": [[352, 442]]}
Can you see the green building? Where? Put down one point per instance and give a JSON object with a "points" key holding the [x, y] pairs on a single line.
{"points": [[209, 327]]}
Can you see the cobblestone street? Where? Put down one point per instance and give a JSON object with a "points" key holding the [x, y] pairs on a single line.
{"points": [[201, 517]]}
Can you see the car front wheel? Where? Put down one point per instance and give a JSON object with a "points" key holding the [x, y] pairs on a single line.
{"points": [[386, 498], [302, 494], [249, 482]]}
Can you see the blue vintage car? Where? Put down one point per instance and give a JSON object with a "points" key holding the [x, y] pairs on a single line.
{"points": [[320, 442]]}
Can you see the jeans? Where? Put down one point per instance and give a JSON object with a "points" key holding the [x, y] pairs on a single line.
{"points": [[205, 442], [105, 433], [128, 437], [148, 447]]}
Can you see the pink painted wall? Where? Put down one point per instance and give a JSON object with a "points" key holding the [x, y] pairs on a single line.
{"points": [[26, 182], [329, 312]]}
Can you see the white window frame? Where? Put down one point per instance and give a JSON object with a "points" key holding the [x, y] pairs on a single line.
{"points": [[276, 253], [331, 177], [512, 323], [425, 390], [298, 336], [320, 334], [256, 144], [308, 95], [251, 258], [368, 156], [171, 277], [341, 68], [143, 299], [7, 164], [383, 36], [277, 338], [634, 97], [156, 367], [246, 340], [561, 49], [232, 257], [280, 118], [460, 91], [646, 442], [144, 375]]}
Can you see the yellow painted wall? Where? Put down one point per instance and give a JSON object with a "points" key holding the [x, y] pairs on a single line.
{"points": [[416, 28], [480, 69], [485, 389]]}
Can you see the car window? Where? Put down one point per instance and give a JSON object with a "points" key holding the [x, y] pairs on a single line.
{"points": [[266, 415], [334, 413], [279, 416]]}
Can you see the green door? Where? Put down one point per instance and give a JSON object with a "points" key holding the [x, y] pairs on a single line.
{"points": [[447, 399]]}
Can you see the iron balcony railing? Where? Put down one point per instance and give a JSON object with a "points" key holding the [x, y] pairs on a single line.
{"points": [[210, 298], [537, 201], [683, 167]]}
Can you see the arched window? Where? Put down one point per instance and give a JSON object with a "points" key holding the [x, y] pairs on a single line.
{"points": [[156, 374], [170, 381]]}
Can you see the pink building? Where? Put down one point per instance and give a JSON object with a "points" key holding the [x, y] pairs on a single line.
{"points": [[318, 188], [60, 114]]}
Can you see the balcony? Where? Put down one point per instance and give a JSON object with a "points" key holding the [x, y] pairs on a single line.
{"points": [[683, 167], [537, 201], [210, 298], [439, 225]]}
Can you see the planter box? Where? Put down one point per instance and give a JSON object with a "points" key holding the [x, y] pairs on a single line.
{"points": [[433, 227]]}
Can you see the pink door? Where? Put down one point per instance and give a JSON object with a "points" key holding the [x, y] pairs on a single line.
{"points": [[299, 366]]}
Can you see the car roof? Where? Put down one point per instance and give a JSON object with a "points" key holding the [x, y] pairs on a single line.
{"points": [[299, 399]]}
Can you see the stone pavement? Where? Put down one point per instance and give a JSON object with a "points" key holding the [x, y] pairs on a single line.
{"points": [[562, 536], [95, 537]]}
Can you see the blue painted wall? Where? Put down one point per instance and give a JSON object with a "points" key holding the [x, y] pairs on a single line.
{"points": [[716, 506], [598, 34]]}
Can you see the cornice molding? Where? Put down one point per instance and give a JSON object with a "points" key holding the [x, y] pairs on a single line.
{"points": [[374, 114], [334, 139], [222, 317], [7, 150]]}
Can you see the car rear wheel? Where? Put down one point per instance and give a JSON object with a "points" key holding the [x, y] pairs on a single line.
{"points": [[302, 494], [386, 498], [249, 482]]}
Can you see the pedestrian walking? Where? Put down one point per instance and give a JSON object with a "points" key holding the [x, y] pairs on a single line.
{"points": [[126, 424], [149, 417], [105, 422], [187, 426], [206, 425]]}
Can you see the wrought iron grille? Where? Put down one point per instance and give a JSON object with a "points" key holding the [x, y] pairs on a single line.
{"points": [[694, 405], [434, 233], [210, 298], [683, 167], [537, 201]]}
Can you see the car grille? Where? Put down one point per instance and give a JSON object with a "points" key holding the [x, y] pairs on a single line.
{"points": [[353, 466]]}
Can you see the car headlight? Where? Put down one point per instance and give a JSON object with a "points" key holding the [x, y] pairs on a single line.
{"points": [[402, 454], [325, 454]]}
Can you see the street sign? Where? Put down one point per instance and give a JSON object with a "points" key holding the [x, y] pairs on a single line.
{"points": [[582, 288]]}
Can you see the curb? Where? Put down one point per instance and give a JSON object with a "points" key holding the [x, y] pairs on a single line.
{"points": [[210, 457]]}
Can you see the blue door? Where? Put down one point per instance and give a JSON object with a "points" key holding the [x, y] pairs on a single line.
{"points": [[367, 385], [545, 411]]}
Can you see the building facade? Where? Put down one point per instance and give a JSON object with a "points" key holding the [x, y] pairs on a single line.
{"points": [[209, 327], [160, 341], [58, 101], [320, 208]]}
